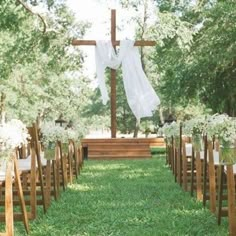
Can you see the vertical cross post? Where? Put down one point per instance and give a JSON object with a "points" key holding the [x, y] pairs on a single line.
{"points": [[113, 77]]}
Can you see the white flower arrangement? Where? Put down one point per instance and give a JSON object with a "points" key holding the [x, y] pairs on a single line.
{"points": [[52, 133], [195, 126], [170, 130], [222, 127], [13, 134]]}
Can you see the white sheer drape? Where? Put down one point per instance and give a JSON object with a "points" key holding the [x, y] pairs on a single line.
{"points": [[141, 97]]}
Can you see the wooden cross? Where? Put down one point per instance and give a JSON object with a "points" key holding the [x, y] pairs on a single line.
{"points": [[115, 43]]}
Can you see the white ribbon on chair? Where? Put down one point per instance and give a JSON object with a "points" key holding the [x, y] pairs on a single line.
{"points": [[141, 97]]}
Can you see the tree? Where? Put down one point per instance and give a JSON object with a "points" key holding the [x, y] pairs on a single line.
{"points": [[40, 70], [204, 71]]}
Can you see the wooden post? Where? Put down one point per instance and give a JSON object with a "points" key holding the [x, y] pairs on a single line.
{"points": [[113, 77]]}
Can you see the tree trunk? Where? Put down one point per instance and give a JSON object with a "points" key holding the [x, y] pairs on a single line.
{"points": [[2, 108], [136, 129], [161, 115]]}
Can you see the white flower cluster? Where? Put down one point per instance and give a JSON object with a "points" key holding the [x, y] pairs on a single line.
{"points": [[13, 134], [52, 133], [197, 125], [222, 127], [171, 129]]}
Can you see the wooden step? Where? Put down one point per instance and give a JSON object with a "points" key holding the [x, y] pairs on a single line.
{"points": [[109, 157], [120, 148], [150, 141], [112, 152]]}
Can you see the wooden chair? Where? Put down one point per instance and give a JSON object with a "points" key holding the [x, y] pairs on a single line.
{"points": [[35, 142], [9, 178], [231, 208], [62, 165], [79, 158], [178, 155], [227, 174], [186, 162], [28, 174], [172, 156], [51, 173], [197, 173], [212, 172]]}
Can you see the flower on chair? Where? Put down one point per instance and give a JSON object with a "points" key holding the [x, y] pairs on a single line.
{"points": [[13, 134], [195, 126], [51, 133], [222, 127]]}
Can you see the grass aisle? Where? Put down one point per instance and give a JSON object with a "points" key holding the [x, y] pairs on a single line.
{"points": [[126, 198]]}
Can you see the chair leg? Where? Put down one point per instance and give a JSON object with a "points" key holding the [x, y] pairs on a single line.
{"points": [[48, 183], [231, 200], [9, 201], [76, 163], [70, 167], [212, 182], [21, 197], [37, 150], [205, 178], [179, 168], [192, 173], [33, 198], [55, 179], [184, 167], [175, 164], [220, 193], [199, 176]]}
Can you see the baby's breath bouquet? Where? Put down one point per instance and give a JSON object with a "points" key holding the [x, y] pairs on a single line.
{"points": [[171, 130], [196, 128], [223, 128], [219, 126], [12, 134], [51, 133]]}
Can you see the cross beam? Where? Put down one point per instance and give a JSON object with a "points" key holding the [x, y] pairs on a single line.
{"points": [[115, 43], [141, 43]]}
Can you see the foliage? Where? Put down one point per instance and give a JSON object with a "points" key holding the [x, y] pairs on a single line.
{"points": [[192, 68], [40, 71], [204, 70]]}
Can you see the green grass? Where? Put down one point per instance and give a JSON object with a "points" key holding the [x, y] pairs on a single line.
{"points": [[133, 198]]}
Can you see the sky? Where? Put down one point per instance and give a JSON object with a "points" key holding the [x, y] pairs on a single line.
{"points": [[98, 13]]}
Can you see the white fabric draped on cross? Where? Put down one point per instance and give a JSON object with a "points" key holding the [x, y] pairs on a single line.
{"points": [[141, 97]]}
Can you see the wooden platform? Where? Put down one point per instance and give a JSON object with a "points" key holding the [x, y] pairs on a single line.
{"points": [[119, 148]]}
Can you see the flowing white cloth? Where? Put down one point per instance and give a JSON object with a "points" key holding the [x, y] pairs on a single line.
{"points": [[141, 97]]}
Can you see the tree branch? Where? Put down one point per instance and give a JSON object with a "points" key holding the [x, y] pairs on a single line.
{"points": [[37, 14]]}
